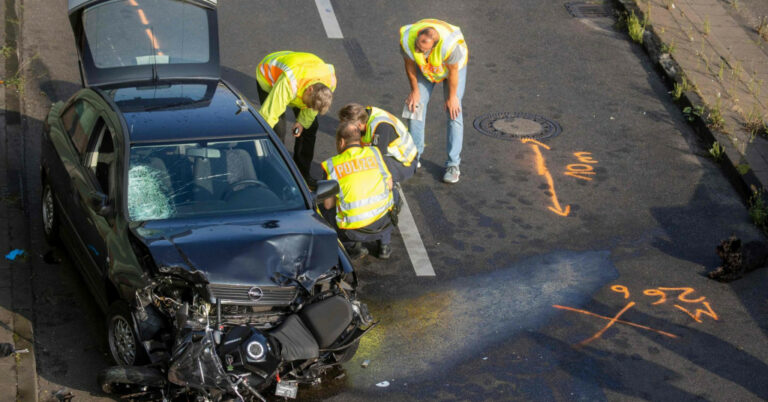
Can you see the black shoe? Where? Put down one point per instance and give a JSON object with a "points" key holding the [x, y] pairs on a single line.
{"points": [[357, 251], [385, 251]]}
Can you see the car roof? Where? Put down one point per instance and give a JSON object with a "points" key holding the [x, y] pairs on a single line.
{"points": [[180, 111]]}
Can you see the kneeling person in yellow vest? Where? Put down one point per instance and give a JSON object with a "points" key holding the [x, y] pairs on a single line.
{"points": [[386, 132], [365, 194], [303, 82]]}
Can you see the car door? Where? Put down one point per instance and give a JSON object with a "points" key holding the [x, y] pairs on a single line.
{"points": [[96, 196]]}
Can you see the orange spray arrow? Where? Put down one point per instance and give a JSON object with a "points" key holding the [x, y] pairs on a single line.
{"points": [[541, 169]]}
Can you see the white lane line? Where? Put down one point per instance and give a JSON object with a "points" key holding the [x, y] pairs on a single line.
{"points": [[330, 23], [412, 240]]}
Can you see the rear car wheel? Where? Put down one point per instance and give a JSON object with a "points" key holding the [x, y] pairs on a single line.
{"points": [[124, 345], [50, 215]]}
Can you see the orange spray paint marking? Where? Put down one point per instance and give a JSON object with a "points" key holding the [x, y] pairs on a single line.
{"points": [[697, 316], [541, 169], [133, 3], [621, 289], [612, 321], [581, 170], [654, 293], [686, 291], [143, 17], [632, 324]]}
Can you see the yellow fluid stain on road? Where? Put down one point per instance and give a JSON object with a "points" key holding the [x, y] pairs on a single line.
{"points": [[541, 169]]}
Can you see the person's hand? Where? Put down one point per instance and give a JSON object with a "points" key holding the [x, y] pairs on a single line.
{"points": [[453, 106], [389, 183], [297, 129], [412, 100]]}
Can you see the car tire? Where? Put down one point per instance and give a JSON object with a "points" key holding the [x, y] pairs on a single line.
{"points": [[124, 345], [347, 354], [50, 215]]}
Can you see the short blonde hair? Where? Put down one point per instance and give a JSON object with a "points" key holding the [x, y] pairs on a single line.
{"points": [[321, 98], [354, 112]]}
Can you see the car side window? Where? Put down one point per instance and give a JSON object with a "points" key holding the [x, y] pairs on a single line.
{"points": [[100, 156], [79, 120]]}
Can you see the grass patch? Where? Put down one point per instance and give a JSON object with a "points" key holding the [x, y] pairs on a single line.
{"points": [[754, 121], [762, 28], [717, 151], [758, 209], [635, 28], [706, 25], [668, 47], [7, 51], [679, 88], [691, 113], [715, 118]]}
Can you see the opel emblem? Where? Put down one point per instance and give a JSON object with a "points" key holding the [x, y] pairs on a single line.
{"points": [[255, 293]]}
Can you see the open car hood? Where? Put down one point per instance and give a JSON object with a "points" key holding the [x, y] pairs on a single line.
{"points": [[133, 41], [279, 249]]}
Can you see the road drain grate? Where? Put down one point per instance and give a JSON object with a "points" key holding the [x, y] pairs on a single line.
{"points": [[513, 126], [586, 10]]}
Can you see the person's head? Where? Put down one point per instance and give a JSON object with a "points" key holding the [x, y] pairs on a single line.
{"points": [[347, 134], [318, 97], [426, 39], [354, 113]]}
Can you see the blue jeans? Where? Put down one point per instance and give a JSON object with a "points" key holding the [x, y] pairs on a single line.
{"points": [[455, 127]]}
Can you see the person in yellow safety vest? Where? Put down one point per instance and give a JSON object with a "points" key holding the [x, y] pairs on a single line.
{"points": [[362, 206], [303, 82], [435, 51], [386, 132]]}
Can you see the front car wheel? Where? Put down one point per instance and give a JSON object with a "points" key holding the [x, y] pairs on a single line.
{"points": [[124, 345], [50, 217]]}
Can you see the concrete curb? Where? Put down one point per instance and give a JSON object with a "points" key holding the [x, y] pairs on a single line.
{"points": [[671, 72]]}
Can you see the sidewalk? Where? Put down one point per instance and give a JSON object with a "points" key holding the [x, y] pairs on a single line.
{"points": [[18, 377], [712, 52]]}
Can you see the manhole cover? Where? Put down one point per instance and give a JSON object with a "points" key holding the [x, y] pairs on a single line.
{"points": [[586, 10], [512, 126]]}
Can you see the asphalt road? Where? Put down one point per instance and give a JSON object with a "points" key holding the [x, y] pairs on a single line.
{"points": [[507, 315]]}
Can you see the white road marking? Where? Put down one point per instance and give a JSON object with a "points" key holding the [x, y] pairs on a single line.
{"points": [[412, 240], [330, 23]]}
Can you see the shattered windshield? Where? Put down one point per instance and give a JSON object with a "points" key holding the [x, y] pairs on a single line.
{"points": [[205, 178], [136, 32]]}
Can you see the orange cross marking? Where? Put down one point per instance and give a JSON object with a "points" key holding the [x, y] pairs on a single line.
{"points": [[612, 320]]}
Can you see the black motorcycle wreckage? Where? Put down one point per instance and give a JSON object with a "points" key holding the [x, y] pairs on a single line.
{"points": [[200, 350]]}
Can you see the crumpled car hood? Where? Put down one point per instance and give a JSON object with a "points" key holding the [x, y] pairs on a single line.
{"points": [[274, 249]]}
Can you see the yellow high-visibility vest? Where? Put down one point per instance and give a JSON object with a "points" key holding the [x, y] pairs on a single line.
{"points": [[433, 67], [363, 193], [285, 75], [401, 148]]}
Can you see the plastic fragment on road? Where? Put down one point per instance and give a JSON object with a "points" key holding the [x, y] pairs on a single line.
{"points": [[382, 384], [147, 197], [13, 254], [365, 363], [485, 358]]}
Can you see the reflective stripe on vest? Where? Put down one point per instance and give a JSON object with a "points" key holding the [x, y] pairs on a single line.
{"points": [[362, 176], [433, 67], [301, 70], [402, 148]]}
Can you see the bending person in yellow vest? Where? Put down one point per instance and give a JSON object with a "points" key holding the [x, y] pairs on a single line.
{"points": [[434, 51], [365, 194], [303, 82], [386, 132]]}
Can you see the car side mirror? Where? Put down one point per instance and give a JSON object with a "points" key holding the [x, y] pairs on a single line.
{"points": [[325, 189], [100, 203]]}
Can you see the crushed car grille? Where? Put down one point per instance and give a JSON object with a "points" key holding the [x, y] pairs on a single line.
{"points": [[246, 295]]}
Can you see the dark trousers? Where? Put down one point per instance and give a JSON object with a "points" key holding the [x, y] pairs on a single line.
{"points": [[304, 145], [378, 230], [400, 173]]}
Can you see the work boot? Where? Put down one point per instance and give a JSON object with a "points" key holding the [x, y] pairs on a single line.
{"points": [[451, 174], [385, 251], [357, 251]]}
